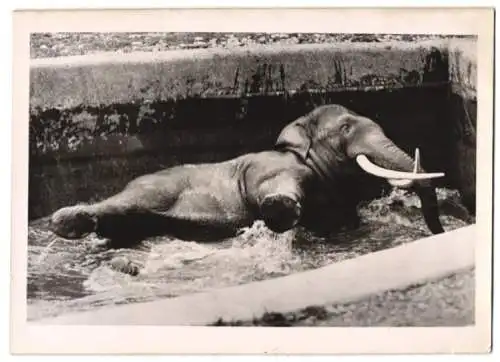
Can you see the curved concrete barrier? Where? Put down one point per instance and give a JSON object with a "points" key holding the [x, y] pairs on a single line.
{"points": [[397, 268]]}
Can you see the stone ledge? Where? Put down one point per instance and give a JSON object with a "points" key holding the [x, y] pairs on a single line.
{"points": [[105, 79]]}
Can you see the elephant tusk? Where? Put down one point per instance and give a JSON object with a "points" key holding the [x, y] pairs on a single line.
{"points": [[416, 165], [378, 171]]}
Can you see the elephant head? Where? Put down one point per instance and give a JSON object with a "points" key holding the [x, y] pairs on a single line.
{"points": [[331, 138]]}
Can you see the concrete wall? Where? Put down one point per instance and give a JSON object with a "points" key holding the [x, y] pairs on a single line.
{"points": [[98, 121], [463, 109], [102, 80]]}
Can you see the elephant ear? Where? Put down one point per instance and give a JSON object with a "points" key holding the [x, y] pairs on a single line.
{"points": [[296, 137]]}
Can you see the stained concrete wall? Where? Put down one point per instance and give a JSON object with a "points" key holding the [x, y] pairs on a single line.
{"points": [[102, 80], [463, 112], [98, 121]]}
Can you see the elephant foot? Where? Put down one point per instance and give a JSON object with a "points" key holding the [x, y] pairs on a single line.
{"points": [[73, 222], [124, 265], [280, 212]]}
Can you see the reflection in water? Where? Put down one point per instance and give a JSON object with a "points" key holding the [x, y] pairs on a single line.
{"points": [[72, 276]]}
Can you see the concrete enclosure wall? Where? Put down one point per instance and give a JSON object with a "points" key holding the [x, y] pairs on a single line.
{"points": [[98, 121], [463, 108]]}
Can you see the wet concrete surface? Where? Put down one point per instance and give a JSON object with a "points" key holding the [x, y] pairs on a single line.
{"points": [[446, 302]]}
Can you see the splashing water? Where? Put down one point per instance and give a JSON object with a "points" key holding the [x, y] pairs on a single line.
{"points": [[71, 276]]}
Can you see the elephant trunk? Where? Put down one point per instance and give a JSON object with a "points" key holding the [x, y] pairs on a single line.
{"points": [[387, 155]]}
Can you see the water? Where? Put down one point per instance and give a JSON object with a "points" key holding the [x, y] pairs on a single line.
{"points": [[74, 276]]}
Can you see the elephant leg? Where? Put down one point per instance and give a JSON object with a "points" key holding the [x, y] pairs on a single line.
{"points": [[280, 212], [124, 218], [280, 206]]}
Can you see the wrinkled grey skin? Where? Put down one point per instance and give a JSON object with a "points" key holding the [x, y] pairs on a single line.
{"points": [[297, 183]]}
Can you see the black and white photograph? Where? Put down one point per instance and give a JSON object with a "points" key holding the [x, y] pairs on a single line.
{"points": [[231, 179]]}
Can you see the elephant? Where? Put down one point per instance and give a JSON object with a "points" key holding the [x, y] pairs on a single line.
{"points": [[284, 186]]}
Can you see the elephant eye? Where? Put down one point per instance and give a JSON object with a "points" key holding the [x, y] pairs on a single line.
{"points": [[345, 128]]}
